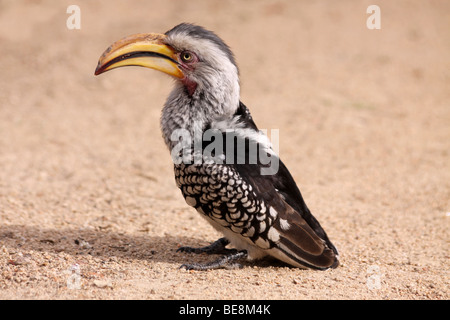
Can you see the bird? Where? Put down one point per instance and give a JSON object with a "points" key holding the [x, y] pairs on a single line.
{"points": [[256, 205]]}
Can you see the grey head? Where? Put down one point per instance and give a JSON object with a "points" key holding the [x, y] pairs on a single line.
{"points": [[210, 88]]}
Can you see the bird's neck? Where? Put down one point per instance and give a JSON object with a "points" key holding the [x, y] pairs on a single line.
{"points": [[192, 113]]}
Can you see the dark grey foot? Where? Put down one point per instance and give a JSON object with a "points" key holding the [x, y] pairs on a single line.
{"points": [[217, 247], [219, 263]]}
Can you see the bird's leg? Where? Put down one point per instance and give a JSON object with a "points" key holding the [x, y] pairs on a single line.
{"points": [[219, 263], [217, 247]]}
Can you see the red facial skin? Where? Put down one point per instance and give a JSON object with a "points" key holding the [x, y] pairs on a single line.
{"points": [[188, 61]]}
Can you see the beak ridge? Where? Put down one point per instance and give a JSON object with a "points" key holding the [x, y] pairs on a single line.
{"points": [[143, 49]]}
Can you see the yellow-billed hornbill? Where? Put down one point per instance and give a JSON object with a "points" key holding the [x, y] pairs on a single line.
{"points": [[259, 213]]}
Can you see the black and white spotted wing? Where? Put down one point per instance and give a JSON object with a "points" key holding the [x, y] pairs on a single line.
{"points": [[267, 211]]}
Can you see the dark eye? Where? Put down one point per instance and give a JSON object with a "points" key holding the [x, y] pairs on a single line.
{"points": [[187, 56]]}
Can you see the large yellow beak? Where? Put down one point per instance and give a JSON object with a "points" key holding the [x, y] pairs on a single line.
{"points": [[143, 49]]}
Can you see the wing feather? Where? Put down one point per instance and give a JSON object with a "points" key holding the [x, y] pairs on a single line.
{"points": [[300, 237]]}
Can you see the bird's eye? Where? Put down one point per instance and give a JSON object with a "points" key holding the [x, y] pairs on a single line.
{"points": [[186, 56]]}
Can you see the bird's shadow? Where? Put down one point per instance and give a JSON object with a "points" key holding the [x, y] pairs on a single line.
{"points": [[105, 244]]}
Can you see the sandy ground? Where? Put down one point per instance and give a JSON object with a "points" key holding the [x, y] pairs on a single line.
{"points": [[88, 204]]}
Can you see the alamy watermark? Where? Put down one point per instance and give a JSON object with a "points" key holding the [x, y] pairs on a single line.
{"points": [[374, 20], [74, 277], [227, 147], [374, 275], [73, 22]]}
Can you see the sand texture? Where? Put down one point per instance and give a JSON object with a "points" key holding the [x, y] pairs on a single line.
{"points": [[88, 204]]}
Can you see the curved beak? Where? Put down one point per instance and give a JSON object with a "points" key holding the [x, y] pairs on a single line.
{"points": [[143, 49]]}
